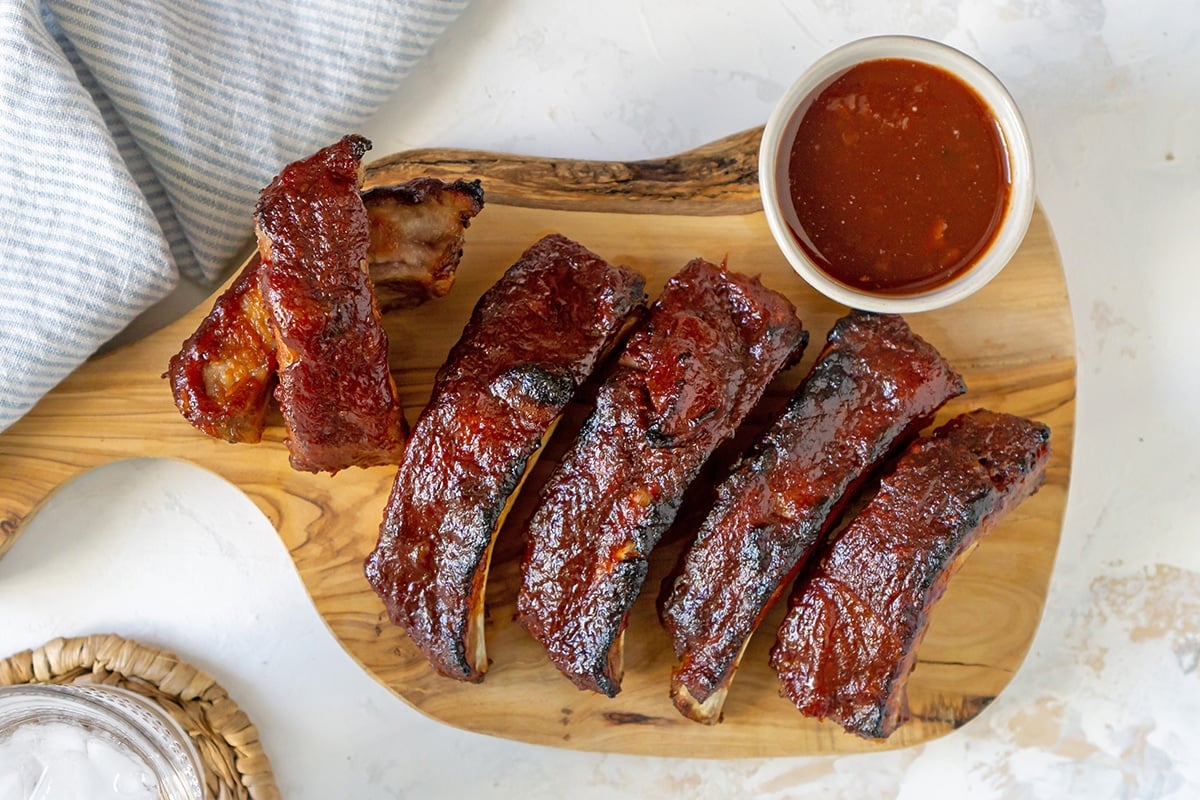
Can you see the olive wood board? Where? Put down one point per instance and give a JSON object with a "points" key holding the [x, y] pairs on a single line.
{"points": [[1013, 342]]}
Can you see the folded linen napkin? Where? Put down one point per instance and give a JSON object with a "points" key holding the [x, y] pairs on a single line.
{"points": [[136, 134]]}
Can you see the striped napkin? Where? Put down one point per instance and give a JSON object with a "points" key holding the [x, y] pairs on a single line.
{"points": [[136, 134]]}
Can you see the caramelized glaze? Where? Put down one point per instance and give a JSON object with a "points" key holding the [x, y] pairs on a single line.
{"points": [[531, 341], [850, 637], [335, 389]]}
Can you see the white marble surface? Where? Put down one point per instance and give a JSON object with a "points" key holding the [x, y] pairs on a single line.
{"points": [[1106, 703]]}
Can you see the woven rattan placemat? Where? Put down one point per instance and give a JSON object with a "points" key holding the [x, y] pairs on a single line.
{"points": [[235, 765]]}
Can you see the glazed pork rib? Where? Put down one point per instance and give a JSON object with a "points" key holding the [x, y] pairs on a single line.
{"points": [[335, 389], [417, 238], [223, 375], [533, 338], [850, 637], [686, 380], [875, 384]]}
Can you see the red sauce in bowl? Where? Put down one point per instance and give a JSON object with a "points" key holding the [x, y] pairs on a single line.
{"points": [[899, 177]]}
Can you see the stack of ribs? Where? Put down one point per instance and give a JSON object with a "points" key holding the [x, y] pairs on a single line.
{"points": [[302, 320], [861, 598], [687, 376], [688, 373]]}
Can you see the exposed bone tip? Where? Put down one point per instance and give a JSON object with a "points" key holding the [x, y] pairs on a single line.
{"points": [[706, 712]]}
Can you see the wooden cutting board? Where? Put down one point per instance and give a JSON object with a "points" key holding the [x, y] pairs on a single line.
{"points": [[1013, 342]]}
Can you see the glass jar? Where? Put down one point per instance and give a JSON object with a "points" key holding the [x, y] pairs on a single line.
{"points": [[75, 742]]}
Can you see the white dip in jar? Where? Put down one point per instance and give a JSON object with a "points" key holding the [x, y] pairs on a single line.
{"points": [[92, 743]]}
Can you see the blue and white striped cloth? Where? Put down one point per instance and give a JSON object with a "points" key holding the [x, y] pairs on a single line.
{"points": [[136, 134]]}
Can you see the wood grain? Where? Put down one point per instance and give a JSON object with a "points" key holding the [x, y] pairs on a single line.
{"points": [[1013, 342]]}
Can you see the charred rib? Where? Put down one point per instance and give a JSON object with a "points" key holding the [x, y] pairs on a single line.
{"points": [[532, 340]]}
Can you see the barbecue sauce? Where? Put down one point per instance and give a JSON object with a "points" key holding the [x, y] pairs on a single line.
{"points": [[899, 177]]}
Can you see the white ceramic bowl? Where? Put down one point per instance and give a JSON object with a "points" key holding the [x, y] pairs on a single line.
{"points": [[780, 131]]}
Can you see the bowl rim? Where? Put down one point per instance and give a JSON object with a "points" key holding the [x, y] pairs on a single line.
{"points": [[785, 117]]}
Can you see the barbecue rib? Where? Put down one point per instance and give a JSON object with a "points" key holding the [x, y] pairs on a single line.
{"points": [[417, 238], [223, 374], [850, 636], [335, 389], [532, 339], [687, 378], [874, 385]]}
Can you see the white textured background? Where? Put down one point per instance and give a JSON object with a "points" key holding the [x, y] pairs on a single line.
{"points": [[1107, 702]]}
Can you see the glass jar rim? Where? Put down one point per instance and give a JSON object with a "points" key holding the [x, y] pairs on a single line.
{"points": [[120, 716]]}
